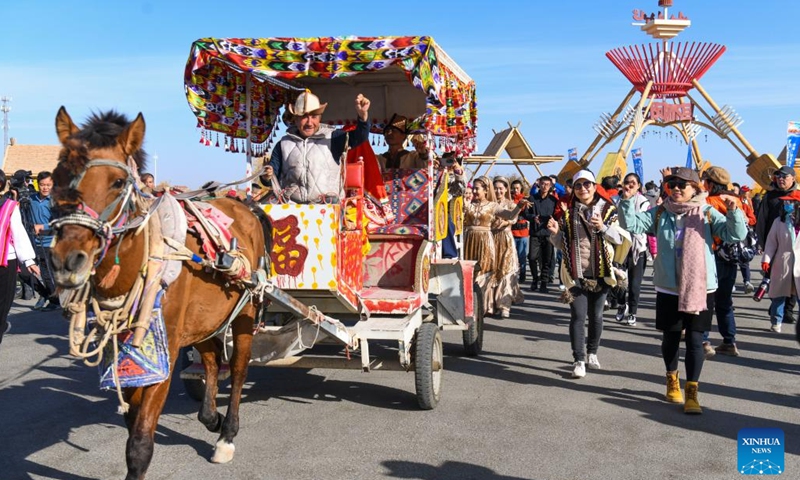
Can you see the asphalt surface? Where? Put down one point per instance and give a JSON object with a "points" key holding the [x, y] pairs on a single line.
{"points": [[512, 413]]}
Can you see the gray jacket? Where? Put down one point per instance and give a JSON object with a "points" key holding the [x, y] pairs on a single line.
{"points": [[308, 168]]}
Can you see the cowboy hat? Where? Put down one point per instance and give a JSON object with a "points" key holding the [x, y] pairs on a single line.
{"points": [[399, 122], [307, 104]]}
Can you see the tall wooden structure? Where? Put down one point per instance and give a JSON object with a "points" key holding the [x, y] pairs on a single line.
{"points": [[662, 75]]}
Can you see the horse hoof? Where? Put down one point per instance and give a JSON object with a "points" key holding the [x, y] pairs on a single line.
{"points": [[223, 452]]}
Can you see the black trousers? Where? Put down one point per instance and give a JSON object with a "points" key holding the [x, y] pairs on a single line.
{"points": [[540, 257], [630, 295], [670, 347], [586, 306], [8, 283]]}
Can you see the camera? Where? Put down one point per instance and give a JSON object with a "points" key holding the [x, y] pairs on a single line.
{"points": [[20, 179], [449, 159]]}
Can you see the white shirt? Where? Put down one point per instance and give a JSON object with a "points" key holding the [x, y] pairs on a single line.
{"points": [[20, 245]]}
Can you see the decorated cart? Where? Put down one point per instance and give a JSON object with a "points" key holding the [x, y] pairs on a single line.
{"points": [[337, 277]]}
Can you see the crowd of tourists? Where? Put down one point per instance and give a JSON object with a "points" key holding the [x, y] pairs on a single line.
{"points": [[592, 239]]}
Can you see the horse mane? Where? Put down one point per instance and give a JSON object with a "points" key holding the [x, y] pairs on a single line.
{"points": [[100, 130]]}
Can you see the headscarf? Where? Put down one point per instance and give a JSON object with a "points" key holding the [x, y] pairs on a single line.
{"points": [[488, 186], [505, 181]]}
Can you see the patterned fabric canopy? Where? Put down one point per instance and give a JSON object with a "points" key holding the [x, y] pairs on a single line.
{"points": [[215, 80]]}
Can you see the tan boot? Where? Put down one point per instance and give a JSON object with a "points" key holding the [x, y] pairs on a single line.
{"points": [[674, 394], [692, 405]]}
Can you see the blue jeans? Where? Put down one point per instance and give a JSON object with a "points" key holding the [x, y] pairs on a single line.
{"points": [[521, 243], [745, 269], [776, 310]]}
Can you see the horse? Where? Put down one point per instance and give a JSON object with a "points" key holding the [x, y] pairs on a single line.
{"points": [[95, 173]]}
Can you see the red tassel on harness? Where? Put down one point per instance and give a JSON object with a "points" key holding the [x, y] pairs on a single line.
{"points": [[110, 278]]}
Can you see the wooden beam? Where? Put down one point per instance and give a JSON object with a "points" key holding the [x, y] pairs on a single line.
{"points": [[523, 173], [632, 126], [747, 146], [582, 161]]}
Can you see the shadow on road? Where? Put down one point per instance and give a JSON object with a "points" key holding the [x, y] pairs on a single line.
{"points": [[43, 412], [649, 402], [448, 470]]}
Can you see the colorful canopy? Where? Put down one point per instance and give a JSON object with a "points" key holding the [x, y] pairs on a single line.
{"points": [[411, 76]]}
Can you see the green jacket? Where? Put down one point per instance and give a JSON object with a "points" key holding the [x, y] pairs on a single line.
{"points": [[731, 228]]}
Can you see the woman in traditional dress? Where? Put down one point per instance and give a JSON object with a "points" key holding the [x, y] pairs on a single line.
{"points": [[505, 283], [479, 243]]}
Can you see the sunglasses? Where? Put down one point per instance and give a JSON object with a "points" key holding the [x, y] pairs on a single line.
{"points": [[631, 182], [582, 185], [677, 184], [780, 175]]}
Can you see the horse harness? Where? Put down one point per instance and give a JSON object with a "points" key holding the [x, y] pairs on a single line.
{"points": [[132, 311]]}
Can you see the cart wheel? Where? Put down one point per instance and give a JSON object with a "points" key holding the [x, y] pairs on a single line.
{"points": [[473, 336], [428, 365], [195, 388]]}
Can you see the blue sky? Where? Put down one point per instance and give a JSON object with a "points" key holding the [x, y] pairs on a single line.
{"points": [[539, 63]]}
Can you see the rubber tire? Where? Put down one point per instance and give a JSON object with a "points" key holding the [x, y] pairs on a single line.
{"points": [[195, 388], [428, 355], [473, 336]]}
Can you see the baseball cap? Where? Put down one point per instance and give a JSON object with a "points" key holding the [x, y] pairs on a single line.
{"points": [[583, 175]]}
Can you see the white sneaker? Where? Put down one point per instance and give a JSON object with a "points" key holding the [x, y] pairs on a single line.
{"points": [[775, 328], [578, 370], [592, 362], [630, 320]]}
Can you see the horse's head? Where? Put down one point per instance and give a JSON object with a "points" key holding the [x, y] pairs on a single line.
{"points": [[94, 189]]}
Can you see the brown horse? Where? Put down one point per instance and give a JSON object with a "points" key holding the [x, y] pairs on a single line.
{"points": [[93, 175]]}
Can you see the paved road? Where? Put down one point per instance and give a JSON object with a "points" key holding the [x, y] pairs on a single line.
{"points": [[514, 413]]}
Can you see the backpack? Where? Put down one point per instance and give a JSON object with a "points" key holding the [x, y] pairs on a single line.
{"points": [[739, 252]]}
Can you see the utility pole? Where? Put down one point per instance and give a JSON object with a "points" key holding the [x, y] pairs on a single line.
{"points": [[155, 169], [5, 109]]}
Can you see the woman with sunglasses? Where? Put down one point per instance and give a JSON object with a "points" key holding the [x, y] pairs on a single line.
{"points": [[685, 274], [585, 235], [479, 243]]}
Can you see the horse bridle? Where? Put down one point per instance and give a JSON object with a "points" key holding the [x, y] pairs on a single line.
{"points": [[103, 227]]}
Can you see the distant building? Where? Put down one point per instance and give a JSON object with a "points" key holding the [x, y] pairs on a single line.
{"points": [[36, 158]]}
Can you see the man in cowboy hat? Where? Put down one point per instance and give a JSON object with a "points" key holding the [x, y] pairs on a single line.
{"points": [[306, 160], [397, 156]]}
